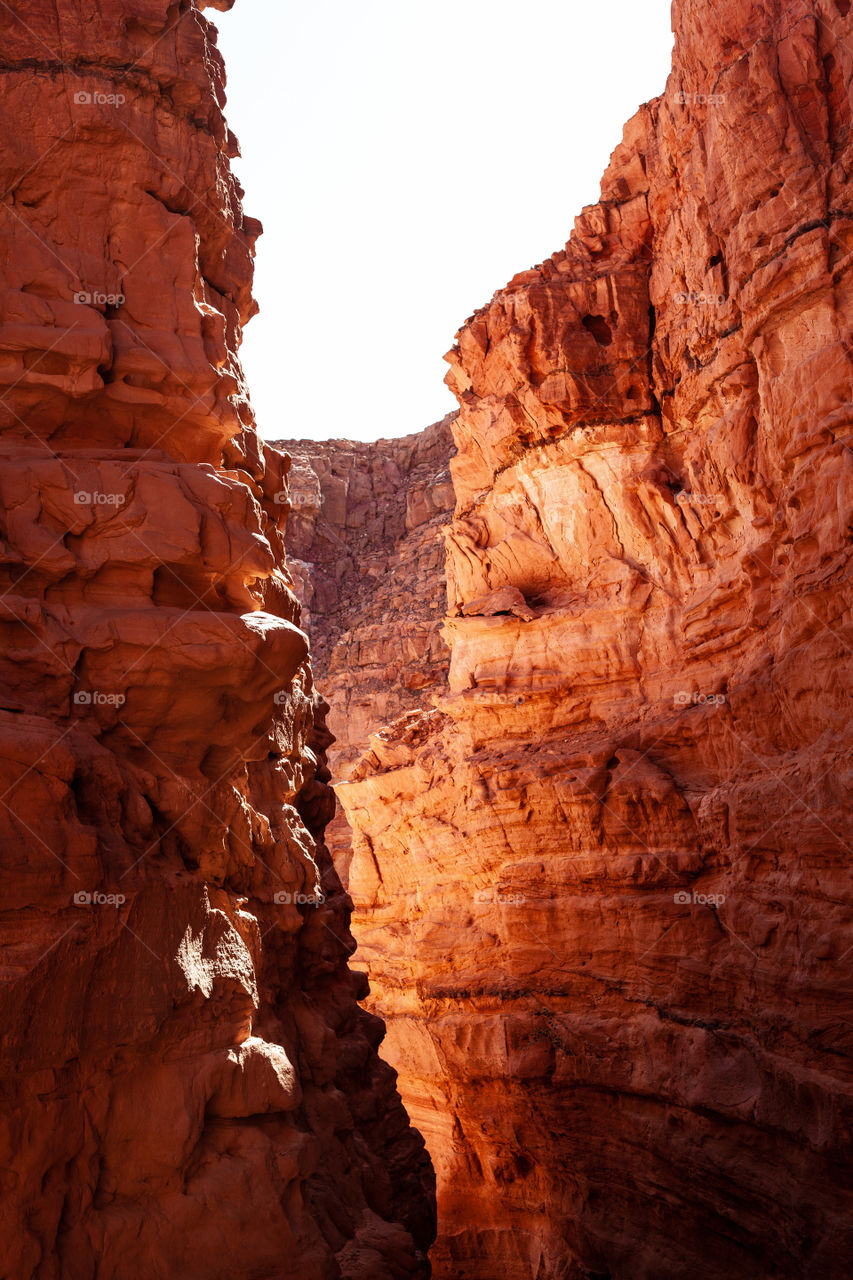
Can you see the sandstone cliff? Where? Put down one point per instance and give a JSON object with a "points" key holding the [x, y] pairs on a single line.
{"points": [[189, 1087], [366, 550], [603, 890]]}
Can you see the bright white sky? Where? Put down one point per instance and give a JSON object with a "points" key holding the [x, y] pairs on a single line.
{"points": [[407, 159]]}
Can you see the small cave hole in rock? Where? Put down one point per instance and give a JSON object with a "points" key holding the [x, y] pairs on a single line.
{"points": [[599, 328]]}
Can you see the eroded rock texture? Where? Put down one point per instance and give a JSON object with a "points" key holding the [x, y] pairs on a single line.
{"points": [[189, 1087], [604, 889], [366, 550]]}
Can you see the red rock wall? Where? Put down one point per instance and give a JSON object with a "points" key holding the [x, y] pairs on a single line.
{"points": [[604, 891], [366, 550], [189, 1087]]}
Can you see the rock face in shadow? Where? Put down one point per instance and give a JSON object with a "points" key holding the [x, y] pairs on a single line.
{"points": [[366, 550], [189, 1086], [603, 890]]}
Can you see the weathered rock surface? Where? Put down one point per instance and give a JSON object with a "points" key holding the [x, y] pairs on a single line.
{"points": [[604, 890], [365, 545], [189, 1087]]}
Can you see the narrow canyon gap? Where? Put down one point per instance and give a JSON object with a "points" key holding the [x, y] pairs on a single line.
{"points": [[603, 886], [189, 1086]]}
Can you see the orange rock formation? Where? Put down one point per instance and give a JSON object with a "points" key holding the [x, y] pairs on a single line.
{"points": [[603, 889], [365, 547], [189, 1087]]}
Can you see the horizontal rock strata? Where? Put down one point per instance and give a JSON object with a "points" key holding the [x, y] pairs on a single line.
{"points": [[603, 889], [366, 550]]}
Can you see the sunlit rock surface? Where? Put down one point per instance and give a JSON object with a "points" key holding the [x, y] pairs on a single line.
{"points": [[604, 889], [366, 549]]}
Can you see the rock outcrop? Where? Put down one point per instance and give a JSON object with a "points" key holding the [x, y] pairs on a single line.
{"points": [[366, 550], [603, 889], [189, 1087]]}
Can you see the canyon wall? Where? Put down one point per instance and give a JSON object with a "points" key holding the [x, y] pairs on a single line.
{"points": [[603, 888], [366, 550], [189, 1086]]}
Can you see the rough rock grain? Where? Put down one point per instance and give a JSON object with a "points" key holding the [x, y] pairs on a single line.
{"points": [[189, 1087], [365, 546], [603, 890]]}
